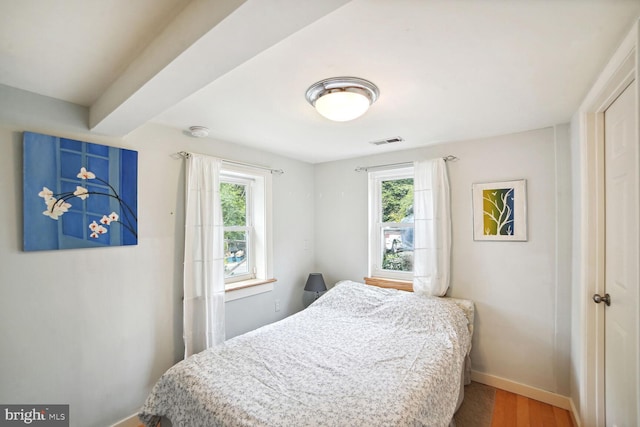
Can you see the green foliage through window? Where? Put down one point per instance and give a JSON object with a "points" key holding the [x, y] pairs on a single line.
{"points": [[397, 199], [401, 261], [233, 200]]}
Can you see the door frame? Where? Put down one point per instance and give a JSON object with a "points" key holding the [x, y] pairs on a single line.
{"points": [[588, 279]]}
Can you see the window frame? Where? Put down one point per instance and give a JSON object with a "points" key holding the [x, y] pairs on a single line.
{"points": [[376, 226], [260, 278]]}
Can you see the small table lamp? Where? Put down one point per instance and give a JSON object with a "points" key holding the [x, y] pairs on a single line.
{"points": [[315, 283]]}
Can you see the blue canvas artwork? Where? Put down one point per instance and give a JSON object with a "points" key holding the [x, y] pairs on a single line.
{"points": [[78, 194]]}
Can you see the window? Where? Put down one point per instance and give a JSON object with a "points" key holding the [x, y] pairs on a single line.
{"points": [[236, 203], [245, 202], [391, 224]]}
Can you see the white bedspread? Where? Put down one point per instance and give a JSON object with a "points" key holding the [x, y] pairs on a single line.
{"points": [[358, 356]]}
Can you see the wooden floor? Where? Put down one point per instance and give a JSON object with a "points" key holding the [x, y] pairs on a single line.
{"points": [[513, 410]]}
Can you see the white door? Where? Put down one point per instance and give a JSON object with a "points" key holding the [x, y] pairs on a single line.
{"points": [[622, 238]]}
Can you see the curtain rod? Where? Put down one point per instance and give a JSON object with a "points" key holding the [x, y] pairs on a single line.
{"points": [[186, 154], [449, 158]]}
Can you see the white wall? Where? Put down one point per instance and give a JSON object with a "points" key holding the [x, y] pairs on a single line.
{"points": [[96, 328], [521, 290]]}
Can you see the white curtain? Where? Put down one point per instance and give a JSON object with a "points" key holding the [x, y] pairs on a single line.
{"points": [[203, 256], [432, 232]]}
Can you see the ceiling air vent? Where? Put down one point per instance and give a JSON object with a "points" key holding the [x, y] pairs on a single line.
{"points": [[387, 141]]}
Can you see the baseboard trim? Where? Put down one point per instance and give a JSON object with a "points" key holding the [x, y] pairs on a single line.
{"points": [[575, 416], [523, 390], [130, 421]]}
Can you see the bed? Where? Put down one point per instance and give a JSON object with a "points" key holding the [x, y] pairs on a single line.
{"points": [[358, 356]]}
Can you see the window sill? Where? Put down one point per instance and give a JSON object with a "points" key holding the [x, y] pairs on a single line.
{"points": [[389, 283], [247, 288]]}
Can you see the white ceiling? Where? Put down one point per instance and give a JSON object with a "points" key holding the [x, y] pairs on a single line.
{"points": [[447, 69]]}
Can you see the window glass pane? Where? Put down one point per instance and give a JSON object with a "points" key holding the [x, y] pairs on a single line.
{"points": [[397, 254], [397, 200], [233, 200], [235, 252]]}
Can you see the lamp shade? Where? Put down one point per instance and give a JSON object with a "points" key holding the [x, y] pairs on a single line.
{"points": [[342, 98], [342, 106], [315, 283]]}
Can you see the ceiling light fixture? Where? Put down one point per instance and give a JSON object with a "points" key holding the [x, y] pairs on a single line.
{"points": [[198, 131], [342, 98]]}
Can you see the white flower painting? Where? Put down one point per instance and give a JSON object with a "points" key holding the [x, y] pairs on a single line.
{"points": [[87, 193]]}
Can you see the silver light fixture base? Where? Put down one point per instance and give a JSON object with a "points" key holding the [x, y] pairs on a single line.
{"points": [[342, 84]]}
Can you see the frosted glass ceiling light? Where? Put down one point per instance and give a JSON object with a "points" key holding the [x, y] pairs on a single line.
{"points": [[342, 98]]}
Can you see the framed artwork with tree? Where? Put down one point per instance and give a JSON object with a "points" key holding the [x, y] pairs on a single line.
{"points": [[500, 211]]}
